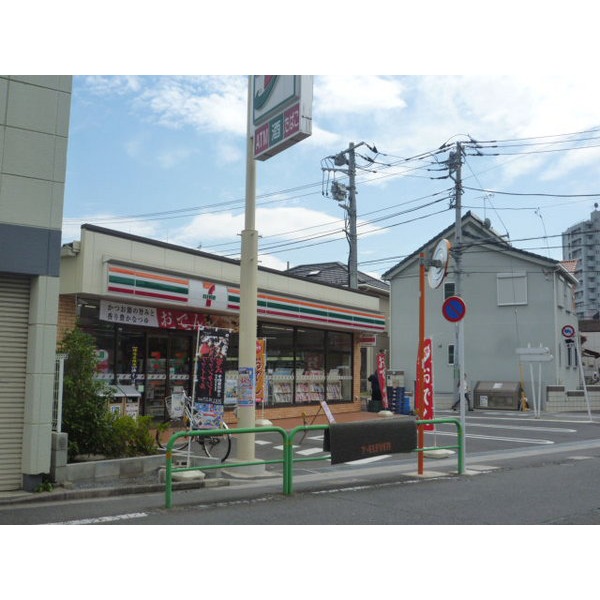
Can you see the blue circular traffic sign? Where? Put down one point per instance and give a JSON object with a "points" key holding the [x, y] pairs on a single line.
{"points": [[454, 309]]}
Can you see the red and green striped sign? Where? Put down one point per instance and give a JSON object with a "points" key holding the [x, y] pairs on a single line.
{"points": [[311, 312], [133, 282]]}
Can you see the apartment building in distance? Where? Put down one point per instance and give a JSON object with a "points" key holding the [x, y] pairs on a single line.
{"points": [[581, 243]]}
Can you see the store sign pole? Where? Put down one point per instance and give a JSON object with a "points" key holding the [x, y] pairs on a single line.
{"points": [[246, 411], [269, 131]]}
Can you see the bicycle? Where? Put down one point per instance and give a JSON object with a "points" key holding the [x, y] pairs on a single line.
{"points": [[179, 410]]}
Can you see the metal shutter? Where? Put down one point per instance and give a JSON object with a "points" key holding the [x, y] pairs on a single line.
{"points": [[14, 317]]}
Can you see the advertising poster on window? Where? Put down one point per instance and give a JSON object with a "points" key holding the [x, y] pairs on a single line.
{"points": [[246, 386], [382, 379], [261, 366], [211, 354]]}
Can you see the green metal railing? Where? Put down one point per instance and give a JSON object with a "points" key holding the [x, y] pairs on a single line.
{"points": [[205, 432], [288, 459]]}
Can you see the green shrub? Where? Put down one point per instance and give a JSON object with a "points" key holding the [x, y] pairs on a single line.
{"points": [[86, 418], [85, 407], [128, 436]]}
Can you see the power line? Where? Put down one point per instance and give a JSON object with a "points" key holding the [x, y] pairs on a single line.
{"points": [[594, 195]]}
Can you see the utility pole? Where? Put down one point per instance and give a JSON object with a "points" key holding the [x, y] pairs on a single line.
{"points": [[339, 193], [455, 166], [352, 240]]}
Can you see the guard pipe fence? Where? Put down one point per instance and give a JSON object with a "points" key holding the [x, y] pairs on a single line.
{"points": [[288, 458]]}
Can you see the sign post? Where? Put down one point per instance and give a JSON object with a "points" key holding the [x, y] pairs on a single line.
{"points": [[454, 310], [535, 355], [279, 115], [568, 332], [424, 393]]}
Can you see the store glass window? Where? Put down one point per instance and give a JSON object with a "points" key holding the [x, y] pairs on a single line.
{"points": [[307, 365], [310, 365], [339, 366], [155, 387], [104, 337], [280, 363], [231, 371], [130, 356], [180, 362]]}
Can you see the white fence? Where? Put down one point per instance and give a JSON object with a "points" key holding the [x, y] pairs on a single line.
{"points": [[558, 399]]}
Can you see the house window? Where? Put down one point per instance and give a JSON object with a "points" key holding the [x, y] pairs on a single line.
{"points": [[561, 293], [449, 289], [511, 288], [450, 354]]}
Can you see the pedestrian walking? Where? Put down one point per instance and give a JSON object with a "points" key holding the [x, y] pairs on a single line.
{"points": [[466, 391], [375, 389]]}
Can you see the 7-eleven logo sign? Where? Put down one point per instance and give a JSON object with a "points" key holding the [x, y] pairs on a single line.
{"points": [[209, 296]]}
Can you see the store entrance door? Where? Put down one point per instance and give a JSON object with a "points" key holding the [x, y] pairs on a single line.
{"points": [[155, 385], [168, 365]]}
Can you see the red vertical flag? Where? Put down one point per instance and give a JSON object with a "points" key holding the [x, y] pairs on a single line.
{"points": [[381, 379], [426, 365]]}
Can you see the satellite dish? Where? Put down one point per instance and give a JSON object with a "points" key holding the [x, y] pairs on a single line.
{"points": [[437, 271]]}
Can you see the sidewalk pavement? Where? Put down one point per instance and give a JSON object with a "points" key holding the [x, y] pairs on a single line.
{"points": [[149, 483]]}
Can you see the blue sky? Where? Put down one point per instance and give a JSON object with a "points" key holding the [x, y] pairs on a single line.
{"points": [[164, 156]]}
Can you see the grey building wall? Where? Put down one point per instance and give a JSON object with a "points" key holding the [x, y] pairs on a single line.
{"points": [[492, 333], [34, 124]]}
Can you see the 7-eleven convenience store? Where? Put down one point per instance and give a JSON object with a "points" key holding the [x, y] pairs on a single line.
{"points": [[143, 300]]}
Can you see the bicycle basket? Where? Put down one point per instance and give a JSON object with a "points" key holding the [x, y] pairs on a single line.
{"points": [[176, 405]]}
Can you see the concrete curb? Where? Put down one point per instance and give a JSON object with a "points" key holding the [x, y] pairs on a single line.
{"points": [[61, 494]]}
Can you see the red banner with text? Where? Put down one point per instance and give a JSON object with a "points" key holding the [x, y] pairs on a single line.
{"points": [[426, 394], [382, 380]]}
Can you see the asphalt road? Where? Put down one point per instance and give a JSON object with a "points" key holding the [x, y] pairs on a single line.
{"points": [[520, 470]]}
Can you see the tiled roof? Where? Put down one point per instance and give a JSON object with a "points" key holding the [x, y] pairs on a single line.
{"points": [[569, 265], [335, 273]]}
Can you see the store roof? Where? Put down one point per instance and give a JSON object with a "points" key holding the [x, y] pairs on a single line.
{"points": [[336, 273]]}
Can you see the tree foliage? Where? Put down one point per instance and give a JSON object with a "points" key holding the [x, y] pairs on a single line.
{"points": [[86, 418], [85, 408]]}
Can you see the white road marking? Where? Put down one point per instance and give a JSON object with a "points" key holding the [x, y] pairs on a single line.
{"points": [[108, 519], [262, 443], [497, 438], [362, 461], [525, 428], [528, 416], [309, 451]]}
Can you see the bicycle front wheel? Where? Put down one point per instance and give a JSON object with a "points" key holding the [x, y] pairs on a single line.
{"points": [[164, 433], [217, 446]]}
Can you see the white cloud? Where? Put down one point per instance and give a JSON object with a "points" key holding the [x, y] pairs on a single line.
{"points": [[355, 94], [171, 157], [229, 153], [272, 262], [105, 85], [209, 104]]}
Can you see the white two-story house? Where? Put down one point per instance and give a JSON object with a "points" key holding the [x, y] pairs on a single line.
{"points": [[513, 299]]}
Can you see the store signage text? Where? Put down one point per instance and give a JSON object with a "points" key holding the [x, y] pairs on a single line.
{"points": [[281, 112], [149, 316]]}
